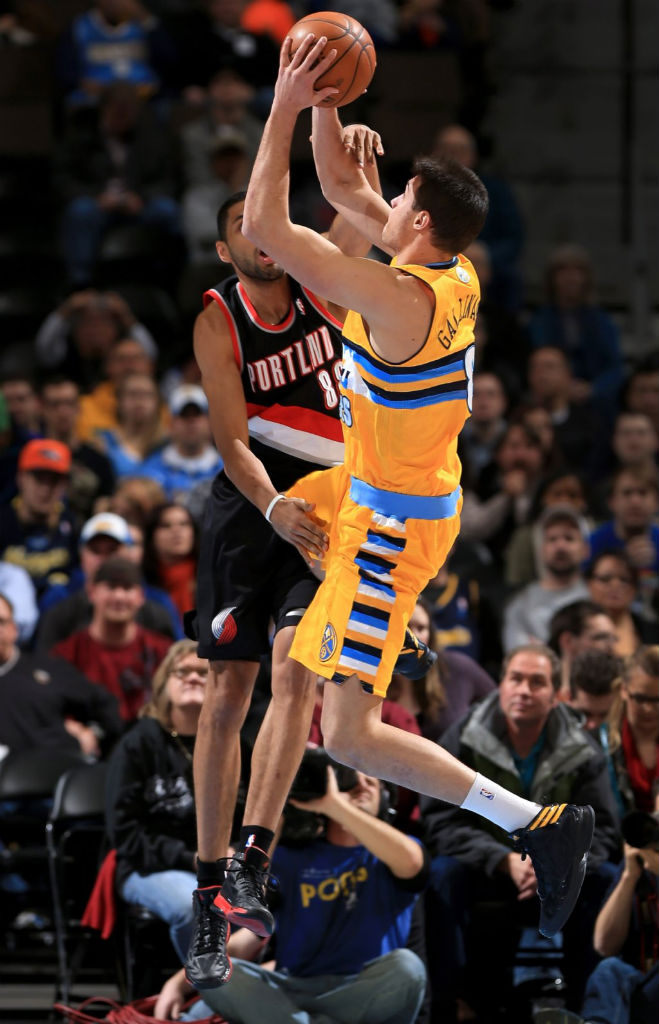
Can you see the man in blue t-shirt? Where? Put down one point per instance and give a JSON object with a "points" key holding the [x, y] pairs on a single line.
{"points": [[341, 926], [190, 457]]}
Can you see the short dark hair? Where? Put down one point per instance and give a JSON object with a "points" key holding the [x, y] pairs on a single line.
{"points": [[620, 556], [454, 196], [56, 380], [19, 377], [594, 672], [544, 651], [573, 619], [119, 572], [645, 478], [223, 213]]}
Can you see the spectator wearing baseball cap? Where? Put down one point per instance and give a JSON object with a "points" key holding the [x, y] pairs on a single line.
{"points": [[68, 608], [114, 650], [37, 531], [190, 457], [563, 550]]}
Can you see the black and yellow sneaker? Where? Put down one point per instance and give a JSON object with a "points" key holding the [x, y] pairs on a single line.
{"points": [[557, 841], [415, 657], [242, 899], [208, 964]]}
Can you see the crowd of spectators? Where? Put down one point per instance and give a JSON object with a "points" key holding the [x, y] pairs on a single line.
{"points": [[106, 460]]}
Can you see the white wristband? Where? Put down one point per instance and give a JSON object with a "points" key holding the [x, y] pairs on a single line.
{"points": [[268, 511]]}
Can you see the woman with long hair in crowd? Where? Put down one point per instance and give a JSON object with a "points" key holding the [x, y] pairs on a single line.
{"points": [[139, 428], [150, 807], [170, 553], [630, 735]]}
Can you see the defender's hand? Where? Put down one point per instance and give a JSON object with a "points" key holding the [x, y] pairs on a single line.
{"points": [[291, 521], [363, 142]]}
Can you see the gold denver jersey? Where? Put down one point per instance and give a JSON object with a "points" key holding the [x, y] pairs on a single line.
{"points": [[401, 420]]}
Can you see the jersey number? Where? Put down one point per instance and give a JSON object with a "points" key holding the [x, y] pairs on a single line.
{"points": [[345, 411], [329, 391]]}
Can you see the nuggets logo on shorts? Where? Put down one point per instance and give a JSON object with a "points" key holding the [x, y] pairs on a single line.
{"points": [[223, 626], [328, 643]]}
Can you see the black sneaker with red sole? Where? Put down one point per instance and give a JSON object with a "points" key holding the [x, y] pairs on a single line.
{"points": [[208, 964], [242, 898]]}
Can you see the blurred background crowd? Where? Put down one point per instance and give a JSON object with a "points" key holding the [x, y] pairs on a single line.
{"points": [[124, 125]]}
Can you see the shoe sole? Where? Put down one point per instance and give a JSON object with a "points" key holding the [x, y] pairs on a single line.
{"points": [[584, 838], [241, 919]]}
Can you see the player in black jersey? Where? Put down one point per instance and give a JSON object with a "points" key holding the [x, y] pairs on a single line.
{"points": [[268, 351]]}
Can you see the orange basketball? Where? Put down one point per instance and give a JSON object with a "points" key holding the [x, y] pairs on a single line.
{"points": [[354, 63]]}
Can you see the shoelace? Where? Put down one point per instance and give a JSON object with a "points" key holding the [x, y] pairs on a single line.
{"points": [[212, 930], [250, 880]]}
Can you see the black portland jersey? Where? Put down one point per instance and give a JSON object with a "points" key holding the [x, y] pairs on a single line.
{"points": [[289, 373]]}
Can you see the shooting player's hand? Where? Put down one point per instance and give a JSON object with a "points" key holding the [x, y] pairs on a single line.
{"points": [[290, 519]]}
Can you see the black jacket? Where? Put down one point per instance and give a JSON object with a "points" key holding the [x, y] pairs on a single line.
{"points": [[38, 692], [150, 810], [571, 769]]}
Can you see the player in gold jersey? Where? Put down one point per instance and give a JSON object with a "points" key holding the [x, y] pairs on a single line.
{"points": [[405, 394]]}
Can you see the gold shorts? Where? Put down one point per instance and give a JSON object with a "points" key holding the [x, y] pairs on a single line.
{"points": [[376, 566]]}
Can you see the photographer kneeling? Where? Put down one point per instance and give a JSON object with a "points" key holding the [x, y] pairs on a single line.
{"points": [[343, 917]]}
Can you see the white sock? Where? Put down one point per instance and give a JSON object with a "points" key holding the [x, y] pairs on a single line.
{"points": [[499, 805]]}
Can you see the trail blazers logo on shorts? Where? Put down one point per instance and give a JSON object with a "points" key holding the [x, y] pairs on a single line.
{"points": [[328, 643], [223, 626]]}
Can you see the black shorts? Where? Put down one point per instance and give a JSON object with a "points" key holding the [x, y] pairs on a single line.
{"points": [[248, 578]]}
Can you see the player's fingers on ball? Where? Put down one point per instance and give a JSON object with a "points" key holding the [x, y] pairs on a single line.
{"points": [[302, 52], [313, 53], [325, 62], [285, 55]]}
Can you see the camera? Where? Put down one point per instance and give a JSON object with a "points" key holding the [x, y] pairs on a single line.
{"points": [[300, 826], [640, 830], [311, 779]]}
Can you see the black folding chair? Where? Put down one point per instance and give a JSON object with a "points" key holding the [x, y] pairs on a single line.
{"points": [[27, 783], [74, 837]]}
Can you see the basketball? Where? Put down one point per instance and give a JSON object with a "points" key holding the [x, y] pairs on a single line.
{"points": [[354, 63]]}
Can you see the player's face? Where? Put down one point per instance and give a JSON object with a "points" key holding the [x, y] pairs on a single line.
{"points": [[402, 213], [249, 261]]}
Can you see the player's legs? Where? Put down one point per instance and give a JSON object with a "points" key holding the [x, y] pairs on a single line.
{"points": [[216, 769], [217, 753], [354, 734], [275, 759], [557, 838], [283, 735]]}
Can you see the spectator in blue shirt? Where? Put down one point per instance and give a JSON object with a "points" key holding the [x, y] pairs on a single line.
{"points": [[190, 457], [342, 925]]}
